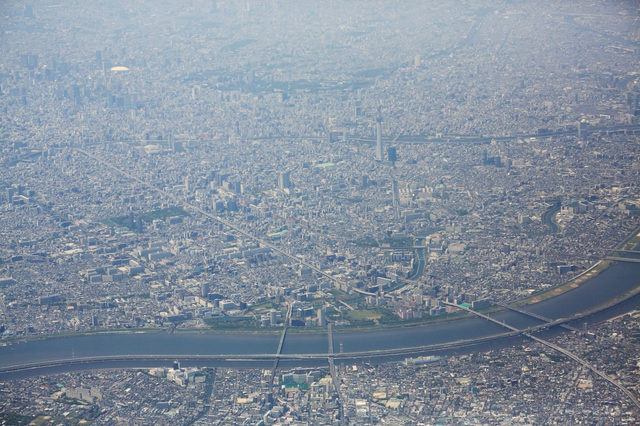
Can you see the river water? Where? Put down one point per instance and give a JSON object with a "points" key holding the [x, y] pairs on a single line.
{"points": [[611, 283]]}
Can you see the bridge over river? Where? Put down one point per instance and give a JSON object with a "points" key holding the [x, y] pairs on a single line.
{"points": [[609, 294]]}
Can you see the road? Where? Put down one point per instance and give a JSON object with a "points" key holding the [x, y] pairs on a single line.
{"points": [[334, 373], [286, 320], [536, 316], [561, 350], [488, 139], [623, 259], [181, 203]]}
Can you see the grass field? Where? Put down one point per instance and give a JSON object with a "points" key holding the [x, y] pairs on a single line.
{"points": [[147, 216], [364, 314]]}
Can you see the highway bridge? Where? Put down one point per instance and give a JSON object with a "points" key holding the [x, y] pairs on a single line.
{"points": [[536, 316], [561, 350], [623, 259], [95, 362], [123, 361], [251, 360]]}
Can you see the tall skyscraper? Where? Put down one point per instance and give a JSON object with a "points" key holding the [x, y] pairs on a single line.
{"points": [[131, 224], [379, 151], [392, 154], [139, 228], [204, 289], [396, 201], [28, 11], [322, 317], [284, 181], [10, 193]]}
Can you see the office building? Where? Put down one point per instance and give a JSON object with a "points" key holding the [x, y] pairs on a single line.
{"points": [[392, 154], [322, 317], [284, 181], [204, 289], [379, 152], [10, 194]]}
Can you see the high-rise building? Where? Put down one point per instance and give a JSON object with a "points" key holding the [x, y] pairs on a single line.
{"points": [[396, 201], [29, 61], [28, 11], [204, 289], [379, 152], [139, 227], [187, 184], [131, 224], [10, 194], [392, 154], [322, 317], [284, 180], [273, 317], [357, 110]]}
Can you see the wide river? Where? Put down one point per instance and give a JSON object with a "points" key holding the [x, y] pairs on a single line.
{"points": [[615, 281]]}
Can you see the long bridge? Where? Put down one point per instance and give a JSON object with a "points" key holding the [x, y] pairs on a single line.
{"points": [[536, 316], [94, 362], [562, 350], [329, 358], [623, 259]]}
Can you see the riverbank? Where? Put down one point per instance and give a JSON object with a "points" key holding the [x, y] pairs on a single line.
{"points": [[632, 241], [10, 341], [629, 243]]}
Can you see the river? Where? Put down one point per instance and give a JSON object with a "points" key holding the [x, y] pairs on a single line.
{"points": [[613, 282]]}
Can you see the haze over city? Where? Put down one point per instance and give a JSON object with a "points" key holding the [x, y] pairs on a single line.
{"points": [[338, 212]]}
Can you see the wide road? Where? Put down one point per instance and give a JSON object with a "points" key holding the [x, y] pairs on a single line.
{"points": [[567, 353], [111, 350], [188, 206]]}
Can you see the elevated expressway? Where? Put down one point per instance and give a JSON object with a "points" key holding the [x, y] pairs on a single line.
{"points": [[327, 359], [563, 351]]}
